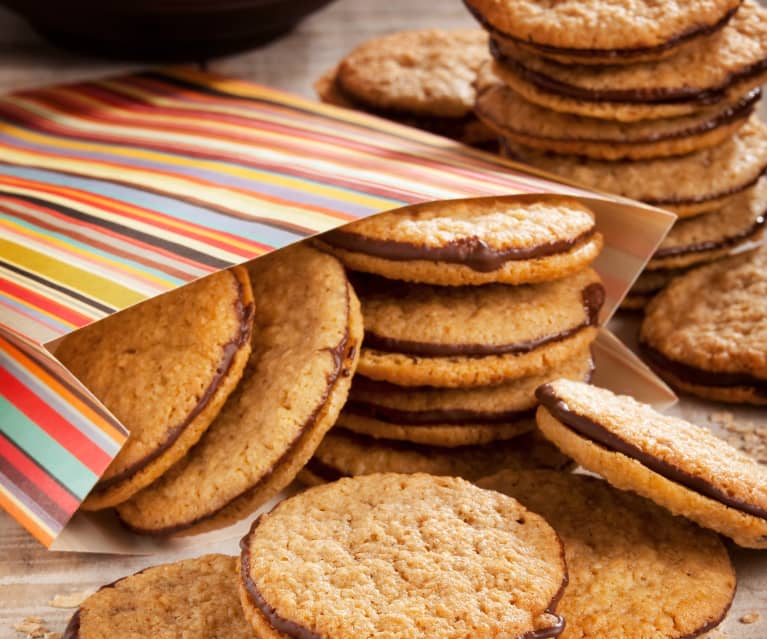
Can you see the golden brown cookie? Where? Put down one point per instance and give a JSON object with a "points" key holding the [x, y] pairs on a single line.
{"points": [[706, 333], [193, 599], [164, 368], [401, 556], [624, 553], [676, 464], [456, 337], [513, 240], [688, 185], [305, 346]]}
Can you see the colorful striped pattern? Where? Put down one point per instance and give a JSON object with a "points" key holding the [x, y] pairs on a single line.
{"points": [[118, 190]]}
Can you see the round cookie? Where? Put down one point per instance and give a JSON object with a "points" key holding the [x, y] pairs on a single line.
{"points": [[573, 31], [194, 599], [522, 122], [346, 454], [624, 553], [676, 464], [451, 417], [401, 556], [718, 69], [306, 341], [706, 333], [163, 368], [688, 185], [513, 240], [421, 335], [708, 237]]}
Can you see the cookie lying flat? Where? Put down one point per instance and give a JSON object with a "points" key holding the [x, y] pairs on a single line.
{"points": [[514, 240], [420, 335], [574, 31], [708, 237], [688, 185], [401, 556], [164, 368], [346, 454], [194, 599], [706, 333], [420, 78], [678, 465], [718, 69], [624, 553], [451, 417], [305, 344], [514, 118]]}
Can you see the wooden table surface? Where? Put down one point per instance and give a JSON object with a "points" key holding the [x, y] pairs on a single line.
{"points": [[30, 576]]}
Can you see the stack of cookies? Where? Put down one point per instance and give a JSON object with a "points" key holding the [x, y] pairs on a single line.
{"points": [[471, 306], [653, 101]]}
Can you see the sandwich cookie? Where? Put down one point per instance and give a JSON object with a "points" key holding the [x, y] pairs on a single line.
{"points": [[706, 333], [194, 599], [707, 237], [635, 571], [676, 464], [401, 556], [451, 417], [513, 240], [164, 368], [719, 69], [522, 122], [420, 335], [647, 286], [688, 185], [573, 32], [346, 454], [296, 382], [419, 78]]}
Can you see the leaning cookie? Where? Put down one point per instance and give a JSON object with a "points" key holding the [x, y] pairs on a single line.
{"points": [[702, 181], [194, 599], [625, 553], [512, 240], [306, 342], [401, 556], [456, 337], [676, 464], [647, 286], [164, 368], [706, 333]]}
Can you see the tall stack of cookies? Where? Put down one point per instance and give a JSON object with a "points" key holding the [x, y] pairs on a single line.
{"points": [[654, 102], [468, 307]]}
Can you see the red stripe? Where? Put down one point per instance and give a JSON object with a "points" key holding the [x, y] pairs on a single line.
{"points": [[28, 296], [60, 429]]}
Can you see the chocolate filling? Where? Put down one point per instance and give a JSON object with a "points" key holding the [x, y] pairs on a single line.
{"points": [[72, 631], [700, 376], [593, 297], [471, 251], [598, 434], [629, 52], [434, 417], [711, 245], [228, 352], [324, 471], [658, 95]]}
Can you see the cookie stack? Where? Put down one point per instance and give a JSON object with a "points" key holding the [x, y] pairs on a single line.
{"points": [[658, 107], [472, 306]]}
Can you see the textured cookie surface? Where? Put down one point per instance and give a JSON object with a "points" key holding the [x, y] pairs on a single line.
{"points": [[678, 465], [194, 599], [515, 240], [295, 384], [700, 181], [523, 122], [635, 571], [472, 336], [163, 368], [398, 556], [708, 329]]}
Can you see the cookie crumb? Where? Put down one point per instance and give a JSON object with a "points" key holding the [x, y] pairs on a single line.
{"points": [[33, 627], [750, 617], [52, 635], [746, 436], [69, 600]]}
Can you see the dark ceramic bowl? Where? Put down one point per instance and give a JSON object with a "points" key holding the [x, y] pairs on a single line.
{"points": [[172, 30]]}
